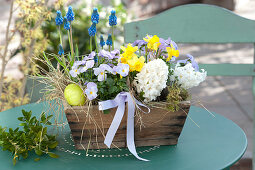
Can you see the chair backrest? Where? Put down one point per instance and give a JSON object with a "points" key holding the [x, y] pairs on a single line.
{"points": [[199, 23]]}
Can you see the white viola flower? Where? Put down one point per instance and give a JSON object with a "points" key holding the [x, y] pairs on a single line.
{"points": [[100, 73], [152, 79], [74, 72], [187, 76], [122, 69], [91, 90]]}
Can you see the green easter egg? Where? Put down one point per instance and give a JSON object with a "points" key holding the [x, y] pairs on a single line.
{"points": [[74, 95]]}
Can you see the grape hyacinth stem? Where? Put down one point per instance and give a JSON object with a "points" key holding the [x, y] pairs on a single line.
{"points": [[112, 39], [71, 37]]}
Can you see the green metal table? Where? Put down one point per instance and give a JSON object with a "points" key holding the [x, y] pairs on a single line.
{"points": [[216, 144]]}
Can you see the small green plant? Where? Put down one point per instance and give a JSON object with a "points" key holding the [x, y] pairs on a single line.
{"points": [[33, 137]]}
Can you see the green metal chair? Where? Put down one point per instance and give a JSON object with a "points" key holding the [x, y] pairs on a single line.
{"points": [[200, 23]]}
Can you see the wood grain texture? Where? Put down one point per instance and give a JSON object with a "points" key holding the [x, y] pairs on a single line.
{"points": [[159, 127]]}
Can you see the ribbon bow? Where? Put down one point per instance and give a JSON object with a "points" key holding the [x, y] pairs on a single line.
{"points": [[119, 102]]}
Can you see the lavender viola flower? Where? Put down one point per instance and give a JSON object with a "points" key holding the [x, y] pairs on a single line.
{"points": [[70, 14], [74, 72], [174, 45], [122, 69], [95, 16], [106, 54], [114, 70], [91, 90], [92, 29], [61, 50], [115, 53], [113, 18], [59, 19], [89, 64], [191, 60], [105, 67], [139, 43], [66, 24], [91, 55]]}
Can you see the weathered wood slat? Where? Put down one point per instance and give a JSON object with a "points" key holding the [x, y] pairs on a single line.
{"points": [[160, 126]]}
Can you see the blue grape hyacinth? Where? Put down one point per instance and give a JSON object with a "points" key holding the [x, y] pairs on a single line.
{"points": [[109, 40], [61, 50], [92, 29], [102, 42], [95, 16], [59, 18], [113, 18], [66, 24], [70, 14]]}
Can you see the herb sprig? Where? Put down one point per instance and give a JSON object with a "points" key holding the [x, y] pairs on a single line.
{"points": [[33, 137]]}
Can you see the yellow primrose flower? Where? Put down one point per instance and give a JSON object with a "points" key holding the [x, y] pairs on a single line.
{"points": [[171, 52], [128, 51], [136, 64], [153, 42]]}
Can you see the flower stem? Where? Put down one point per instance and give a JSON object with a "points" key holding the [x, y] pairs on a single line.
{"points": [[96, 43], [60, 36], [69, 38], [72, 51], [146, 53], [90, 44], [112, 38]]}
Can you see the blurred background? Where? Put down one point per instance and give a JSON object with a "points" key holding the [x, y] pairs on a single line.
{"points": [[27, 28]]}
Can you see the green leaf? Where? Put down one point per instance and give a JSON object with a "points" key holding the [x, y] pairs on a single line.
{"points": [[53, 145], [53, 155], [22, 124], [20, 118], [49, 117], [59, 61], [37, 159], [38, 152]]}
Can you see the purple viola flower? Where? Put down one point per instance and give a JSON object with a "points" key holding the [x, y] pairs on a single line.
{"points": [[89, 64], [122, 69], [191, 60], [139, 43], [91, 90], [106, 54]]}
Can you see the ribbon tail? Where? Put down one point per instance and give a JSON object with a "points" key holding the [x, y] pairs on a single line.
{"points": [[130, 128], [115, 124]]}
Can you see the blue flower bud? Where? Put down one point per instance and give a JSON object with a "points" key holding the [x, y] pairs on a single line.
{"points": [[61, 50], [66, 24], [92, 29], [109, 40], [59, 18], [70, 14], [102, 42], [113, 18], [95, 59], [95, 16]]}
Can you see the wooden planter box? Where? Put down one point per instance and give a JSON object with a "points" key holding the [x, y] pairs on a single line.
{"points": [[161, 127]]}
